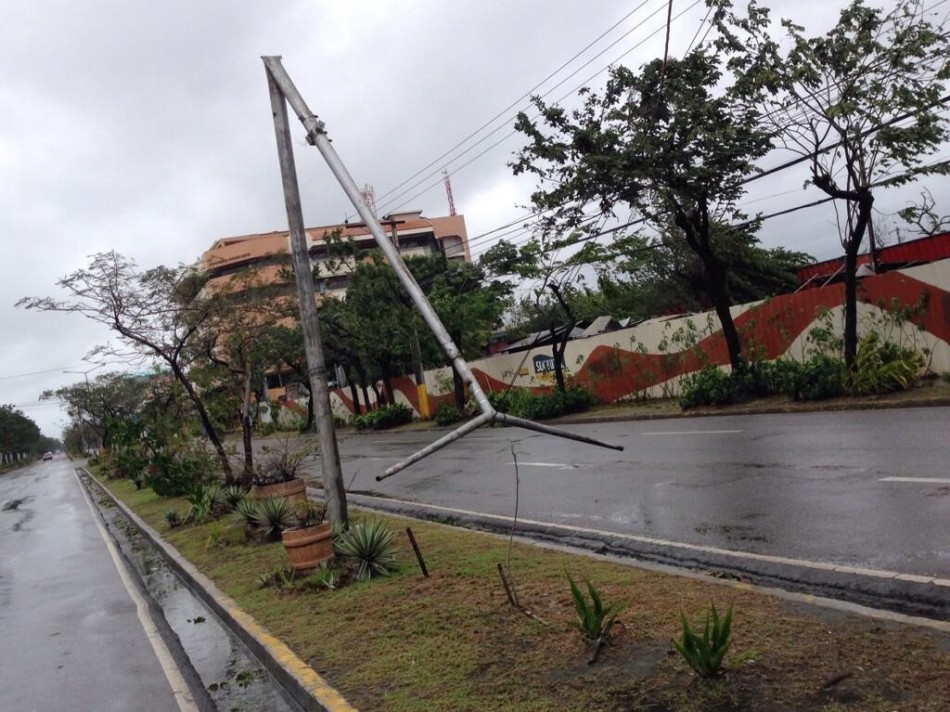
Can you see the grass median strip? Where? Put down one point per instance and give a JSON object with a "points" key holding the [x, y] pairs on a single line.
{"points": [[453, 642]]}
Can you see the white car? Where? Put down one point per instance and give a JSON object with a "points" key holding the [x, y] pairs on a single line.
{"points": [[47, 456]]}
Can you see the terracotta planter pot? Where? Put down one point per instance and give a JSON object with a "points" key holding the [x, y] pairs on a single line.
{"points": [[308, 548], [294, 491]]}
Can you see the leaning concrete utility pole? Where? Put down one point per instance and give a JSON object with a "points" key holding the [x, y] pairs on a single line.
{"points": [[317, 136], [309, 319]]}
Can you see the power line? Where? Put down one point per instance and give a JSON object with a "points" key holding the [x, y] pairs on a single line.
{"points": [[519, 99], [392, 201], [37, 373]]}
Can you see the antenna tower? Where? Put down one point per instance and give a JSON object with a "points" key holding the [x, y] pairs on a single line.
{"points": [[448, 192], [369, 197]]}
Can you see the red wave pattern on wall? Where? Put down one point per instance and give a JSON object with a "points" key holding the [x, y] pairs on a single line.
{"points": [[771, 327]]}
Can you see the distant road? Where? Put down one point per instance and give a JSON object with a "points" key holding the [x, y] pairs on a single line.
{"points": [[860, 488], [72, 632]]}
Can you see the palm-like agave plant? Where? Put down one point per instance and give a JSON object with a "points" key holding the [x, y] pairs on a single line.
{"points": [[371, 545], [273, 516], [233, 495], [246, 511]]}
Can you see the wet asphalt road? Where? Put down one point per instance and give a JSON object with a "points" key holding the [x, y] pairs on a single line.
{"points": [[808, 486], [69, 634]]}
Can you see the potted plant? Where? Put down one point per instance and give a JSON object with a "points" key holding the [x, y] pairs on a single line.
{"points": [[310, 542], [276, 476]]}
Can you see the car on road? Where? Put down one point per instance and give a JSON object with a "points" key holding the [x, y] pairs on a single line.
{"points": [[47, 456]]}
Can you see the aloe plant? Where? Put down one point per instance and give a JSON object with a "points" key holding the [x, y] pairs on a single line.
{"points": [[705, 652], [594, 619]]}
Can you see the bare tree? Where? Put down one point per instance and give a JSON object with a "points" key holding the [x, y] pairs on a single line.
{"points": [[157, 313], [924, 216]]}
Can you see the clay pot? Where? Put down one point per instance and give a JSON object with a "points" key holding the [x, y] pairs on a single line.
{"points": [[294, 491], [309, 547]]}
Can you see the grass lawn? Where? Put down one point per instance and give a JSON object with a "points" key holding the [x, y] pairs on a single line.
{"points": [[452, 641]]}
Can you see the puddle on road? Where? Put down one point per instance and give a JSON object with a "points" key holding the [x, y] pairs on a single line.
{"points": [[234, 679]]}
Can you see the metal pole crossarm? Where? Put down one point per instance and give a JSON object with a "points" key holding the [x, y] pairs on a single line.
{"points": [[317, 136]]}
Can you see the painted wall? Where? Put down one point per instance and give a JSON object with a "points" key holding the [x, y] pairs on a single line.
{"points": [[650, 358]]}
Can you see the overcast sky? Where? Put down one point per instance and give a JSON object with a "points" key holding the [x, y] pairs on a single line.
{"points": [[145, 127]]}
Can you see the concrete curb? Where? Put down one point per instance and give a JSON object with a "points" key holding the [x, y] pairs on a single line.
{"points": [[303, 684], [892, 591], [623, 415]]}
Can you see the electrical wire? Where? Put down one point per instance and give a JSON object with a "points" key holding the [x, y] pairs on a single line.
{"points": [[387, 207], [513, 104]]}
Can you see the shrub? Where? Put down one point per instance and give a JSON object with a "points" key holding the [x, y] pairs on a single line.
{"points": [[276, 466], [711, 386], [820, 377], [705, 652], [594, 620], [206, 503], [387, 416], [369, 544], [525, 404], [309, 514], [173, 519], [447, 414], [883, 366], [174, 473]]}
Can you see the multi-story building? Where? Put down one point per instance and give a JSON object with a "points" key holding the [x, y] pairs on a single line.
{"points": [[268, 253], [263, 260]]}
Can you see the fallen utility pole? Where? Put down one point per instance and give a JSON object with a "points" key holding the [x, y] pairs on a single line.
{"points": [[317, 136]]}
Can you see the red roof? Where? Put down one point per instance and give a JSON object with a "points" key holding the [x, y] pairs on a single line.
{"points": [[920, 251]]}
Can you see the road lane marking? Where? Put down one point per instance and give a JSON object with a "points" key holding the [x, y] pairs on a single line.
{"points": [[694, 432], [924, 480], [176, 681], [558, 465], [818, 565]]}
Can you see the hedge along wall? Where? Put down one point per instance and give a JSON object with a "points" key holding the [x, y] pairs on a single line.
{"points": [[649, 359]]}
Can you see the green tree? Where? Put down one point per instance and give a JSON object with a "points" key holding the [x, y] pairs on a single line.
{"points": [[550, 308], [861, 103], [468, 304], [94, 405], [19, 435], [671, 142]]}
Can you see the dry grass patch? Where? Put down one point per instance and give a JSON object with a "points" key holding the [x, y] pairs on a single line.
{"points": [[452, 641]]}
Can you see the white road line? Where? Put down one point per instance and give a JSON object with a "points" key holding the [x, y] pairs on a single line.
{"points": [[924, 480], [179, 687], [694, 432], [558, 465], [818, 565]]}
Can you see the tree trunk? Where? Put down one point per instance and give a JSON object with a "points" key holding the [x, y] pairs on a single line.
{"points": [[246, 429], [716, 278], [459, 386], [355, 396], [560, 345], [865, 202], [308, 427], [850, 304], [205, 419]]}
